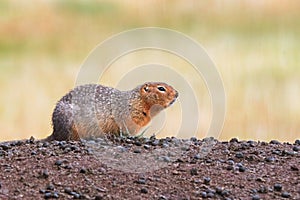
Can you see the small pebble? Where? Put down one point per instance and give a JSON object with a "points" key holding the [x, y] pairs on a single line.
{"points": [[239, 164], [230, 162], [197, 181], [264, 143], [138, 143], [263, 189], [185, 148], [73, 147], [290, 153], [239, 155], [175, 141], [197, 156], [277, 152], [62, 143], [269, 159], [155, 142], [194, 171], [297, 142], [225, 193], [286, 195], [209, 190], [45, 144], [102, 170], [122, 149], [219, 190], [83, 170], [68, 190], [226, 152], [75, 195], [234, 140], [251, 142], [296, 148], [146, 146], [42, 191], [50, 187], [141, 181], [251, 158], [162, 197], [242, 169], [210, 195], [277, 187], [19, 143], [67, 166], [99, 197], [67, 150], [31, 140], [5, 146], [90, 151], [165, 145], [256, 197], [128, 141], [274, 142], [55, 195], [144, 191], [45, 173], [294, 168], [131, 137], [245, 145], [137, 151], [77, 150], [22, 179], [203, 194], [47, 195], [166, 158], [260, 179], [99, 189], [254, 191], [152, 137], [206, 180], [175, 172], [58, 162]]}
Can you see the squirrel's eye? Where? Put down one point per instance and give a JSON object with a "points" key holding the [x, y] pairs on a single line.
{"points": [[160, 88]]}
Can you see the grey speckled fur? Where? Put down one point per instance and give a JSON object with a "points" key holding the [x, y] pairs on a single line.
{"points": [[91, 106], [93, 110]]}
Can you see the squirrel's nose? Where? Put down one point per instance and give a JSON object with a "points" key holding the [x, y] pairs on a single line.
{"points": [[176, 94]]}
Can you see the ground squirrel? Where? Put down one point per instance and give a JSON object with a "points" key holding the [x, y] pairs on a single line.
{"points": [[94, 110]]}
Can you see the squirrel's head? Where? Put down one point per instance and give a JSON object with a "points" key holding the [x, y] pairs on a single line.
{"points": [[158, 94]]}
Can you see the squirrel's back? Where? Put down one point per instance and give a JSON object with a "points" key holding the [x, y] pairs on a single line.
{"points": [[94, 110]]}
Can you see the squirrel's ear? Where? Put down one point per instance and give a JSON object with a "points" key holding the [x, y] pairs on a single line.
{"points": [[145, 87]]}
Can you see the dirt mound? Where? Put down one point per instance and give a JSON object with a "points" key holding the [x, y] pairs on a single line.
{"points": [[141, 168]]}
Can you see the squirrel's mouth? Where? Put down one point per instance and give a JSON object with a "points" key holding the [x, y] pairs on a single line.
{"points": [[176, 95]]}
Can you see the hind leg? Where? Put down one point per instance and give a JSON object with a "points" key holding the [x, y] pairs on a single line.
{"points": [[74, 133]]}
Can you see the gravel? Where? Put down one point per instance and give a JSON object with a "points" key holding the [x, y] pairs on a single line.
{"points": [[149, 168]]}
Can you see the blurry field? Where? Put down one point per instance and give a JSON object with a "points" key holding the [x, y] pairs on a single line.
{"points": [[254, 44]]}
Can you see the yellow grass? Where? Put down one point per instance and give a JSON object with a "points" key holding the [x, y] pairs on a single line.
{"points": [[255, 45]]}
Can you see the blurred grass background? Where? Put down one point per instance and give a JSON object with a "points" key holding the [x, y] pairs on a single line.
{"points": [[255, 45]]}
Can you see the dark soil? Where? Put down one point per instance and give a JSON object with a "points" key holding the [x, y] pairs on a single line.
{"points": [[131, 168]]}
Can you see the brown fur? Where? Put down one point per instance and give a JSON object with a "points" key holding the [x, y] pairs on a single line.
{"points": [[94, 110]]}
